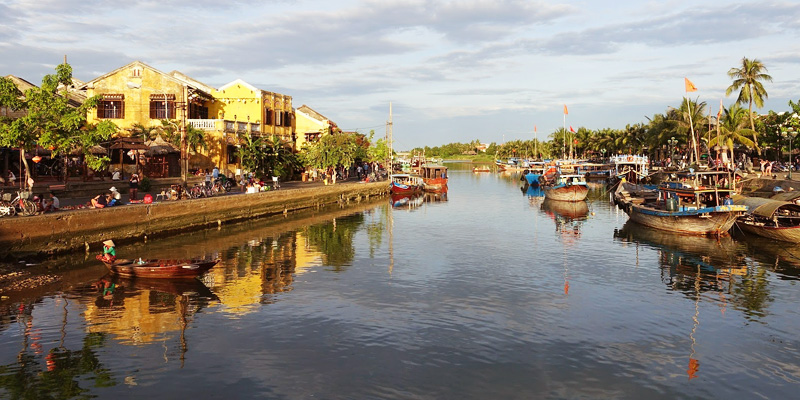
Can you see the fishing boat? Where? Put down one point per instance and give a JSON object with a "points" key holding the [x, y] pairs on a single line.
{"points": [[482, 168], [774, 219], [534, 171], [434, 178], [160, 268], [563, 187], [634, 168], [405, 184], [696, 203]]}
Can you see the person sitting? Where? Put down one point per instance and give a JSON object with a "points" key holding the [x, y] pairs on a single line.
{"points": [[99, 201], [114, 197], [52, 204], [109, 252], [115, 176]]}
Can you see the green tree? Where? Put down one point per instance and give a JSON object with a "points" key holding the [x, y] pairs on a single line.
{"points": [[747, 80], [733, 129], [51, 121]]}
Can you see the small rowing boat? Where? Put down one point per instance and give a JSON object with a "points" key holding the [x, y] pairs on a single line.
{"points": [[159, 268]]}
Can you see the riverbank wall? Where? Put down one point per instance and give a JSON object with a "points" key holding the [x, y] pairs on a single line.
{"points": [[66, 231], [764, 187]]}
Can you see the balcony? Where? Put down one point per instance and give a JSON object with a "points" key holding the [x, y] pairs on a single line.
{"points": [[222, 125]]}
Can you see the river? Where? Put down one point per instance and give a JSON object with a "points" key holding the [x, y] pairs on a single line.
{"points": [[489, 292]]}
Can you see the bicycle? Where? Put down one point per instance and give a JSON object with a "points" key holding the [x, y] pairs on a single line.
{"points": [[19, 205], [6, 208]]}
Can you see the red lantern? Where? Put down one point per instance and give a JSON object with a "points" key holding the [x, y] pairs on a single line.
{"points": [[36, 159]]}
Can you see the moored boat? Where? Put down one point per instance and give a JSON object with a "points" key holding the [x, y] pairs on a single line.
{"points": [[774, 219], [405, 184], [563, 187], [159, 268], [434, 178], [482, 168], [696, 203]]}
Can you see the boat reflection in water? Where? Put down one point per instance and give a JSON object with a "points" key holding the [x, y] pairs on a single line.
{"points": [[680, 256], [568, 215], [693, 265], [413, 201]]}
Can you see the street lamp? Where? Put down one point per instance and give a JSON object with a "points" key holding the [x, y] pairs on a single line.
{"points": [[789, 133], [672, 142]]}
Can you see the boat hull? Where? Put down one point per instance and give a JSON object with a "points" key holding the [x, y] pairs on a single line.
{"points": [[532, 179], [437, 185], [160, 269], [399, 188], [784, 234], [707, 221], [566, 193]]}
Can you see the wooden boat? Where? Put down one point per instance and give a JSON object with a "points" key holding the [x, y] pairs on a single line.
{"points": [[694, 203], [482, 168], [160, 268], [633, 168], [532, 174], [434, 178], [563, 187], [774, 219], [405, 184]]}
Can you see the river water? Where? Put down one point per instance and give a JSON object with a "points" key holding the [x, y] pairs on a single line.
{"points": [[489, 292]]}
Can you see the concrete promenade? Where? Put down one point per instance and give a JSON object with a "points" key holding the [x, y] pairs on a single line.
{"points": [[65, 231]]}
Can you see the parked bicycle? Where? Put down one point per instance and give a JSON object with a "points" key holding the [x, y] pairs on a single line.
{"points": [[21, 204]]}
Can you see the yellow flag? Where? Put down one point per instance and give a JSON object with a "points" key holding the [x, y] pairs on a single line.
{"points": [[565, 110], [690, 87]]}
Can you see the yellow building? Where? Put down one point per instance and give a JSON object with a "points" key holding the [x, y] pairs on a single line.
{"points": [[310, 126], [239, 108], [140, 94]]}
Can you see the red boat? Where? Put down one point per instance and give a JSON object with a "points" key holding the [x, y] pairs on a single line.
{"points": [[434, 178], [406, 184], [159, 268]]}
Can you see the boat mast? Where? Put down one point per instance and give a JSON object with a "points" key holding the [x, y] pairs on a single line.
{"points": [[390, 156]]}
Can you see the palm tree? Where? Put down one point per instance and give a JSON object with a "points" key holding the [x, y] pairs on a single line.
{"points": [[144, 132], [688, 118], [747, 79], [733, 128]]}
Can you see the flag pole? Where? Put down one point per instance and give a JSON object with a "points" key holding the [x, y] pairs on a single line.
{"points": [[564, 145], [695, 156]]}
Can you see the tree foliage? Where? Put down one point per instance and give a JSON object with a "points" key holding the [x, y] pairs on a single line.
{"points": [[51, 121]]}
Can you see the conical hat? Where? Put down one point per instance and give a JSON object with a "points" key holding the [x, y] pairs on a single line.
{"points": [[109, 243]]}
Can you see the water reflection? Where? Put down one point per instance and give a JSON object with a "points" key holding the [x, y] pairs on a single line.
{"points": [[567, 215], [691, 264]]}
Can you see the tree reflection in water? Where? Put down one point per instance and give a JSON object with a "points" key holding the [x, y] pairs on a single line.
{"points": [[335, 240], [61, 373]]}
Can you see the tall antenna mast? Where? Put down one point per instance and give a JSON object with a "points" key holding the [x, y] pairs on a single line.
{"points": [[390, 156]]}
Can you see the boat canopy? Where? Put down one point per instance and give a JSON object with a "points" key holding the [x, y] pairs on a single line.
{"points": [[765, 208], [786, 196]]}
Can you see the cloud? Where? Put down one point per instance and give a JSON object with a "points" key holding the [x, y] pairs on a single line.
{"points": [[696, 26]]}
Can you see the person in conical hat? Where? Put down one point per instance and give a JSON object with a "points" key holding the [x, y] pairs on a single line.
{"points": [[109, 252]]}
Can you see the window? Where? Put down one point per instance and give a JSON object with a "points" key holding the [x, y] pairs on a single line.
{"points": [[136, 72], [233, 154], [268, 117], [162, 106], [112, 106], [278, 119]]}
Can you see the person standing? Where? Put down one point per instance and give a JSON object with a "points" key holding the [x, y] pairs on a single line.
{"points": [[208, 178], [134, 187]]}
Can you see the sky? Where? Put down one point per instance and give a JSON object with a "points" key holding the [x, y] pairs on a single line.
{"points": [[454, 71]]}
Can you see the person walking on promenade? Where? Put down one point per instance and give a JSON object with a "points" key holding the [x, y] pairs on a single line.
{"points": [[134, 187]]}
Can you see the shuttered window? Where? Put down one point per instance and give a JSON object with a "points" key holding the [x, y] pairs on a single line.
{"points": [[112, 106]]}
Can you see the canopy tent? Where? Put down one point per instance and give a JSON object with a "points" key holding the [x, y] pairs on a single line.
{"points": [[128, 143]]}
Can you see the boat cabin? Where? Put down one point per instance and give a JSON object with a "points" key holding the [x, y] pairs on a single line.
{"points": [[429, 171], [633, 168]]}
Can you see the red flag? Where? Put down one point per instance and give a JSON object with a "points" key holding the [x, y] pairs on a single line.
{"points": [[565, 110], [575, 141], [534, 128], [571, 130], [690, 87]]}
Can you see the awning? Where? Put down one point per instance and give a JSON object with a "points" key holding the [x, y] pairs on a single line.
{"points": [[765, 208], [129, 143]]}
